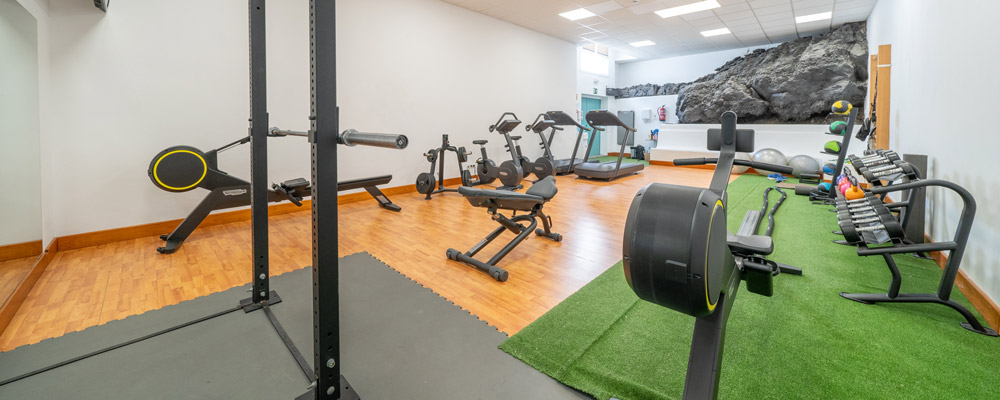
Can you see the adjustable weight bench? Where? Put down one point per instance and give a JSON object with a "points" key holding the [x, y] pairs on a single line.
{"points": [[531, 202]]}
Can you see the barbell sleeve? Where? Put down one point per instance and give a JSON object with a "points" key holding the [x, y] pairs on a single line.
{"points": [[352, 137]]}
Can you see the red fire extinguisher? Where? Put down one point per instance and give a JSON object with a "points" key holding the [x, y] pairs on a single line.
{"points": [[662, 111]]}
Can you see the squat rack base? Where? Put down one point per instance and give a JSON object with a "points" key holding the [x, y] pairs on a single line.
{"points": [[346, 391]]}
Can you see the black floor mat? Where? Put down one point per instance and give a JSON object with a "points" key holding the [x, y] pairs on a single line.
{"points": [[399, 341]]}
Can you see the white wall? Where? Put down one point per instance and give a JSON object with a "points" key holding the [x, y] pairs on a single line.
{"points": [[676, 69], [39, 9], [149, 75], [20, 163], [638, 104], [659, 71], [944, 97], [594, 84], [689, 140]]}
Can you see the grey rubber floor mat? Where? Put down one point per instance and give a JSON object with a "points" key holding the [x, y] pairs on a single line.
{"points": [[399, 341]]}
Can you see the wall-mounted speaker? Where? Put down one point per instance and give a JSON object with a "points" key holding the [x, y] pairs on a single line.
{"points": [[102, 4]]}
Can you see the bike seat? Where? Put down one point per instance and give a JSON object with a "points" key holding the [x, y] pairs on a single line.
{"points": [[480, 142], [753, 244], [515, 137]]}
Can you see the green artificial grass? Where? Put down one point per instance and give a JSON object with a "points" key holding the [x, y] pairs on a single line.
{"points": [[805, 342], [624, 159]]}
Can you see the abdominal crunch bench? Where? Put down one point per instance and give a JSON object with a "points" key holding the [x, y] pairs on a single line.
{"points": [[493, 200]]}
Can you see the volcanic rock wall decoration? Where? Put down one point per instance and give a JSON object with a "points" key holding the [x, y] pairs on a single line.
{"points": [[794, 82]]}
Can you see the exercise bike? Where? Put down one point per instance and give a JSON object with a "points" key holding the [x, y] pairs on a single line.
{"points": [[425, 181], [184, 168], [508, 172], [679, 254], [541, 167]]}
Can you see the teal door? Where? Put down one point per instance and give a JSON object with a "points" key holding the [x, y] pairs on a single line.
{"points": [[588, 104]]}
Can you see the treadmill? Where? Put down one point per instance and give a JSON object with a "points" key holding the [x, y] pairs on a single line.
{"points": [[566, 165], [599, 119]]}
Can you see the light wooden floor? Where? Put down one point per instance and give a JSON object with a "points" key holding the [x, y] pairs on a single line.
{"points": [[95, 285], [11, 273]]}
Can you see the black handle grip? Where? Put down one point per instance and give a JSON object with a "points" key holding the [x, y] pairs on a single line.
{"points": [[695, 161], [783, 169]]}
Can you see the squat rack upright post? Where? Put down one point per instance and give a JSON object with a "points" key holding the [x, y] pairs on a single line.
{"points": [[324, 132]]}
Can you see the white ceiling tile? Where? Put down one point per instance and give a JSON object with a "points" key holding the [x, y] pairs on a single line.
{"points": [[743, 22], [698, 15], [812, 10], [757, 42], [617, 14], [811, 3], [768, 3], [752, 37], [783, 16], [601, 8], [711, 20], [852, 13], [837, 21], [737, 15], [779, 29], [749, 31], [781, 8], [730, 9], [854, 3], [751, 22], [647, 8]]}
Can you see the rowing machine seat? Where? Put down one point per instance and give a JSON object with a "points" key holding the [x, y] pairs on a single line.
{"points": [[753, 244]]}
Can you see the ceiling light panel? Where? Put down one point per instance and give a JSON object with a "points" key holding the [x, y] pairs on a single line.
{"points": [[579, 13], [688, 8], [813, 17], [642, 43], [715, 32]]}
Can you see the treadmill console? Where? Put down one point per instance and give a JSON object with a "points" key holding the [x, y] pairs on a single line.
{"points": [[562, 119], [606, 118]]}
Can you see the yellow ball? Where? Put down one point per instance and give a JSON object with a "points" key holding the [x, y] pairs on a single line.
{"points": [[842, 107]]}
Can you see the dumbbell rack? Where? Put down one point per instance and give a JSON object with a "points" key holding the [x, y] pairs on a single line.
{"points": [[865, 234], [910, 208]]}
